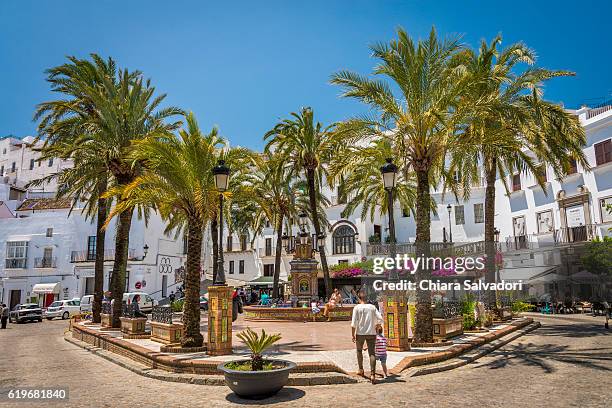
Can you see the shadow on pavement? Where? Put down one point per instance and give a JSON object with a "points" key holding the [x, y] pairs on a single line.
{"points": [[284, 395], [573, 330]]}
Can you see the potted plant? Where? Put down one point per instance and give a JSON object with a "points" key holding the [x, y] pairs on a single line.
{"points": [[257, 377]]}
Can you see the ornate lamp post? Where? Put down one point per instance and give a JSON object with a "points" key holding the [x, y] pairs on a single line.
{"points": [[395, 302], [449, 208], [219, 294], [221, 172], [496, 234]]}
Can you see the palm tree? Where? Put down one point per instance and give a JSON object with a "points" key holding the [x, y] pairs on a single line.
{"points": [[507, 119], [306, 146], [269, 186], [421, 121], [64, 120], [176, 180]]}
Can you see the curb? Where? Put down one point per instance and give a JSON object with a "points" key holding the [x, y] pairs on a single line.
{"points": [[472, 356], [295, 379]]}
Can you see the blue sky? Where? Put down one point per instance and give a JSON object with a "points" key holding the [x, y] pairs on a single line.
{"points": [[243, 65]]}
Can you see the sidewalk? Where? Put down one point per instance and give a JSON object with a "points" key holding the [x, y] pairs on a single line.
{"points": [[575, 317]]}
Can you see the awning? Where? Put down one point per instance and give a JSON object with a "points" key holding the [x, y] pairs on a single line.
{"points": [[265, 281], [41, 288]]}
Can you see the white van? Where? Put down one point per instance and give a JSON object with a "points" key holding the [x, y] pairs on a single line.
{"points": [[146, 302], [86, 303]]}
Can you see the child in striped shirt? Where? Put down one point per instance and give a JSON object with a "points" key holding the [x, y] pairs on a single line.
{"points": [[380, 349]]}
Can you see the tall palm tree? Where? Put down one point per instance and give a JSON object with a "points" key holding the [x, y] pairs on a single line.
{"points": [[64, 120], [176, 180], [306, 145], [269, 186], [507, 121], [421, 120]]}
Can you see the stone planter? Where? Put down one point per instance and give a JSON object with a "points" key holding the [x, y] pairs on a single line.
{"points": [[444, 329], [257, 384], [166, 333], [106, 320], [135, 325]]}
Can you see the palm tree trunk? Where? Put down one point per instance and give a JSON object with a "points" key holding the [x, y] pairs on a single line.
{"points": [[312, 196], [490, 246], [424, 317], [191, 308], [122, 242], [277, 256], [96, 307], [214, 236]]}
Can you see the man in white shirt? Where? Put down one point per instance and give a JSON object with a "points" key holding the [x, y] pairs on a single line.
{"points": [[363, 324]]}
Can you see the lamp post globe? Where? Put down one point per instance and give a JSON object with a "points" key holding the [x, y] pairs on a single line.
{"points": [[389, 174], [285, 241], [304, 237], [221, 172], [302, 218], [321, 240]]}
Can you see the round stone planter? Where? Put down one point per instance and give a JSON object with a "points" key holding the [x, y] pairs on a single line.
{"points": [[257, 384]]}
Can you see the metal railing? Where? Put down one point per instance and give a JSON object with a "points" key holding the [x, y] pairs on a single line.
{"points": [[599, 109], [16, 263], [87, 256], [45, 262], [476, 247], [575, 234]]}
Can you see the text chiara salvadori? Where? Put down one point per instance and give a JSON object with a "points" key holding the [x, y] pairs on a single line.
{"points": [[436, 285]]}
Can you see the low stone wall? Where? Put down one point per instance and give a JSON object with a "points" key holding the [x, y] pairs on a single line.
{"points": [[296, 314], [133, 326]]}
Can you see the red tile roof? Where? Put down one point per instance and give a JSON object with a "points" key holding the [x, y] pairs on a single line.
{"points": [[45, 204]]}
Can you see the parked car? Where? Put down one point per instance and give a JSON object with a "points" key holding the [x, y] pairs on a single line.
{"points": [[63, 309], [203, 303], [26, 312], [146, 302], [86, 303]]}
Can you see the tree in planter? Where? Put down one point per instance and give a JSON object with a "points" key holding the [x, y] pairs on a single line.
{"points": [[307, 147], [420, 122], [176, 181], [258, 344]]}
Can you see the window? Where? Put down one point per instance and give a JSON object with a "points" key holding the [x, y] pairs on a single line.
{"points": [[91, 248], [230, 243], [516, 182], [269, 270], [603, 152], [2, 171], [243, 242], [268, 246], [405, 212], [241, 267], [457, 176], [13, 167], [459, 215], [344, 240], [545, 222], [479, 213], [343, 262], [49, 232], [231, 267], [31, 164], [541, 173], [48, 254], [606, 214], [185, 244], [51, 162], [572, 167], [17, 254]]}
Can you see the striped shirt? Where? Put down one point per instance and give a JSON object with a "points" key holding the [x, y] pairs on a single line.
{"points": [[380, 347]]}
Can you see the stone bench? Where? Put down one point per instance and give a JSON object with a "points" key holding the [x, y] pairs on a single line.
{"points": [[133, 325], [166, 333], [444, 329]]}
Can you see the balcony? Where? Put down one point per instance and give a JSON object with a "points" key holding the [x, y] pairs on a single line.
{"points": [[16, 263], [45, 262], [109, 255], [581, 233]]}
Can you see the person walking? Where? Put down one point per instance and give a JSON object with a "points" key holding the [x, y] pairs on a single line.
{"points": [[236, 305], [380, 349], [363, 326], [4, 315]]}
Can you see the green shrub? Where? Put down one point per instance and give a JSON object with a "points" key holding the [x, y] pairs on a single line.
{"points": [[519, 306], [177, 305]]}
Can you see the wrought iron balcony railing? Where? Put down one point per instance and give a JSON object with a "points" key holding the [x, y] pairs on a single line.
{"points": [[45, 262], [16, 263], [88, 256]]}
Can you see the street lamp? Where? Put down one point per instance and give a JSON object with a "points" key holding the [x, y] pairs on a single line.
{"points": [[449, 208], [321, 240], [389, 176], [221, 173], [285, 241], [303, 217], [304, 237]]}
